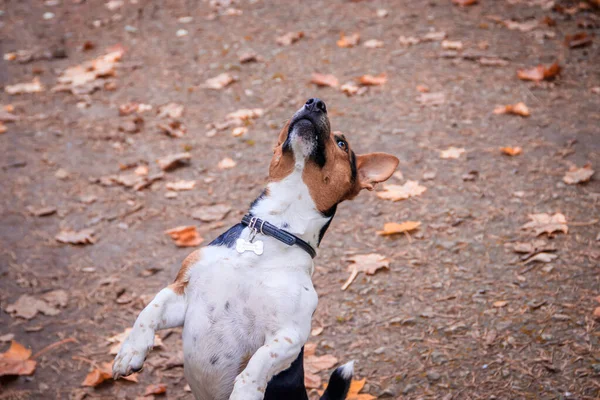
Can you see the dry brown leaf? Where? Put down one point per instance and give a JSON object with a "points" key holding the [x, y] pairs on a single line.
{"points": [[3, 128], [354, 392], [521, 26], [578, 175], [289, 38], [316, 331], [181, 185], [580, 39], [408, 40], [219, 82], [226, 163], [324, 80], [539, 73], [546, 223], [534, 247], [41, 211], [392, 228], [212, 213], [75, 79], [315, 364], [492, 62], [173, 161], [34, 86], [185, 236], [401, 192], [464, 3], [28, 306], [422, 89], [597, 313], [373, 44], [511, 151], [452, 152], [159, 388], [452, 45], [313, 381], [104, 373], [516, 109], [245, 114], [348, 41], [373, 80], [431, 99], [170, 110], [15, 361], [434, 36], [239, 131], [542, 257], [84, 236], [351, 89], [500, 303], [310, 349], [367, 263]]}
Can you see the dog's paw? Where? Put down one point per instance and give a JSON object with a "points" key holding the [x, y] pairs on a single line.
{"points": [[132, 355], [244, 389]]}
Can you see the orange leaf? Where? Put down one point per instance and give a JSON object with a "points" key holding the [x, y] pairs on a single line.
{"points": [[401, 192], [539, 73], [511, 151], [597, 313], [309, 349], [464, 3], [312, 381], [324, 80], [159, 388], [354, 391], [96, 377], [392, 228], [185, 236], [315, 364], [516, 109], [348, 41], [373, 80], [16, 361]]}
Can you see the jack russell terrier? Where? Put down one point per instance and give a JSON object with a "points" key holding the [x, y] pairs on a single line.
{"points": [[246, 300]]}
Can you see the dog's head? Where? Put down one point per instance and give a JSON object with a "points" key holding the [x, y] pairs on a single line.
{"points": [[330, 168]]}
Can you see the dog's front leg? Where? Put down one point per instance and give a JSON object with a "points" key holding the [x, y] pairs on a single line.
{"points": [[166, 310], [274, 356]]}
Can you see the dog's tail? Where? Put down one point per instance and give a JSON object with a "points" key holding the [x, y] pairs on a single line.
{"points": [[339, 382]]}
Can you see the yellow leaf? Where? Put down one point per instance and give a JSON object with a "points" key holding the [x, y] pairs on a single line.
{"points": [[392, 228]]}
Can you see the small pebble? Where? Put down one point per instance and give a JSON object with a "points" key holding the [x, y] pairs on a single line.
{"points": [[48, 15], [185, 20], [433, 376], [181, 33]]}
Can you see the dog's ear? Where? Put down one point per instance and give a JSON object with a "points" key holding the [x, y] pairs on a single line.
{"points": [[283, 134], [374, 168]]}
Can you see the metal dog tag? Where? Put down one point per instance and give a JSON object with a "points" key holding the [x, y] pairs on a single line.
{"points": [[242, 246]]}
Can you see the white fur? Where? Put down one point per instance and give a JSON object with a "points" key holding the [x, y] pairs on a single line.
{"points": [[244, 305], [347, 370]]}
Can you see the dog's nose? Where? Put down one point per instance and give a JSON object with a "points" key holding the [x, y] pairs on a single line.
{"points": [[316, 105]]}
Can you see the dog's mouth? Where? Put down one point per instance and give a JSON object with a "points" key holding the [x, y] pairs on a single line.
{"points": [[308, 131]]}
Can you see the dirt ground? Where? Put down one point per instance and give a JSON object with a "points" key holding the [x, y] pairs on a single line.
{"points": [[459, 314]]}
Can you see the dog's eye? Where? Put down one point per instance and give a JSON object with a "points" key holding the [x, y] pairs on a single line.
{"points": [[342, 145]]}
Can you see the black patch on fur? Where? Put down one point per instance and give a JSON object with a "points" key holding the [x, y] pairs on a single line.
{"points": [[318, 153], [227, 305], [214, 359], [353, 165], [288, 384], [228, 238], [329, 213]]}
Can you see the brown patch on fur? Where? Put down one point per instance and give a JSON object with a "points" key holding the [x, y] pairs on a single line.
{"points": [[282, 164], [244, 363], [182, 278], [287, 339]]}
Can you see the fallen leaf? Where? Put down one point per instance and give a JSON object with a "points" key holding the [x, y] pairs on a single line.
{"points": [[15, 361], [354, 392], [546, 223], [392, 228], [170, 110], [248, 57], [534, 247], [219, 82], [464, 3], [226, 163], [382, 12], [348, 41], [239, 131], [452, 45], [373, 80], [401, 192], [422, 89], [245, 114], [431, 99], [578, 175], [434, 36], [516, 109], [324, 80], [492, 62], [73, 237], [118, 339], [350, 88], [28, 306], [212, 213], [511, 151], [580, 39], [314, 381], [159, 388], [41, 211], [173, 161], [316, 331], [367, 263], [539, 73], [408, 40], [84, 78], [7, 338], [104, 373], [542, 257], [452, 152], [34, 86], [173, 128], [597, 313], [373, 44], [526, 26], [289, 38], [500, 303], [315, 364], [185, 236], [181, 185]]}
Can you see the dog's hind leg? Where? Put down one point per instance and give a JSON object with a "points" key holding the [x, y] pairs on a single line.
{"points": [[166, 310]]}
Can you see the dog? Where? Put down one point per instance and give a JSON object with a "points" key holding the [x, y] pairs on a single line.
{"points": [[246, 300]]}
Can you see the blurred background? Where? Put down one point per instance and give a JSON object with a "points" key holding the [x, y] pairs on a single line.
{"points": [[133, 131]]}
